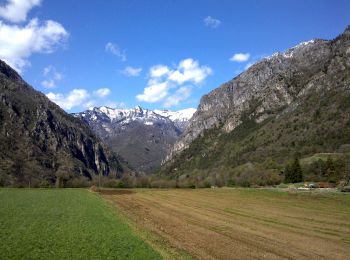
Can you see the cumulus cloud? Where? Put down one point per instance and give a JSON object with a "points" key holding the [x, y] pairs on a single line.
{"points": [[189, 70], [154, 93], [211, 22], [16, 10], [74, 98], [52, 77], [18, 43], [102, 92], [80, 98], [180, 95], [115, 50], [158, 71], [163, 80], [240, 57], [131, 71]]}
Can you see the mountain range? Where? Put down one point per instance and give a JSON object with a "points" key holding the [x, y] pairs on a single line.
{"points": [[291, 105], [294, 103], [142, 137]]}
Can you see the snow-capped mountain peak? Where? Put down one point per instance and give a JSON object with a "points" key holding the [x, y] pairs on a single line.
{"points": [[148, 117], [177, 116], [142, 136], [290, 52]]}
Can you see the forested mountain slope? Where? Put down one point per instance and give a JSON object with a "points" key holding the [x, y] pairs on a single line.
{"points": [[296, 102]]}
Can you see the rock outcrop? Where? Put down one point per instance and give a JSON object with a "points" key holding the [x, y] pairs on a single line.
{"points": [[39, 141], [273, 85]]}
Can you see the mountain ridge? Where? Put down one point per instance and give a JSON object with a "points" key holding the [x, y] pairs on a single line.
{"points": [[40, 142], [141, 136], [277, 108], [223, 102]]}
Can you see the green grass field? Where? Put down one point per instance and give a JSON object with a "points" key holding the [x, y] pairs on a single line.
{"points": [[64, 224]]}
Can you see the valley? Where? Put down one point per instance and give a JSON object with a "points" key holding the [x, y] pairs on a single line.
{"points": [[226, 223], [174, 129]]}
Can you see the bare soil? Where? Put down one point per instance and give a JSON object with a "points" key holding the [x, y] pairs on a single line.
{"points": [[241, 223]]}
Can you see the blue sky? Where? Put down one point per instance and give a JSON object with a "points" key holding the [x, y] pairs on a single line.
{"points": [[155, 53]]}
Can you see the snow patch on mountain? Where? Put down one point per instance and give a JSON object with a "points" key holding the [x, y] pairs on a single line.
{"points": [[177, 116], [148, 117], [290, 52]]}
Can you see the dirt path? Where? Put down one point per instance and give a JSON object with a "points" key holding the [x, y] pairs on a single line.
{"points": [[242, 224]]}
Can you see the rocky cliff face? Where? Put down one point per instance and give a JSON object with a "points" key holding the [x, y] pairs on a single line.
{"points": [[275, 84], [39, 141], [141, 136]]}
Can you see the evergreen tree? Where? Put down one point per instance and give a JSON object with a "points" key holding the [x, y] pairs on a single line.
{"points": [[330, 167], [288, 174], [293, 172], [297, 171]]}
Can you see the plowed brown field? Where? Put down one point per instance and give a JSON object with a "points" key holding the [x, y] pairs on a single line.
{"points": [[239, 223]]}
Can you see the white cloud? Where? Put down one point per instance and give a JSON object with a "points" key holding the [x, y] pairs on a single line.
{"points": [[18, 43], [211, 22], [240, 57], [83, 99], [181, 94], [102, 92], [52, 77], [48, 83], [189, 70], [74, 98], [131, 72], [164, 79], [115, 50], [154, 93], [16, 10], [158, 71]]}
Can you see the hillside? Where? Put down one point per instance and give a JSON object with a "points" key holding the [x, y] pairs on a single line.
{"points": [[40, 142], [141, 136], [294, 103]]}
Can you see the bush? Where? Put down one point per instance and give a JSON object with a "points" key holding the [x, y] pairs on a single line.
{"points": [[231, 183], [163, 184], [345, 189], [78, 182], [255, 176], [142, 182]]}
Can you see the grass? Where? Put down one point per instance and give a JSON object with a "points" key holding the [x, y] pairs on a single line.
{"points": [[65, 224], [231, 223]]}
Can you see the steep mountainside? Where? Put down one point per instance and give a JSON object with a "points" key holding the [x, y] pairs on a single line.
{"points": [[141, 136], [296, 101], [39, 141]]}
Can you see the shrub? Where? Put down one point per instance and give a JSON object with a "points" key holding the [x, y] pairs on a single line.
{"points": [[78, 182], [231, 183]]}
